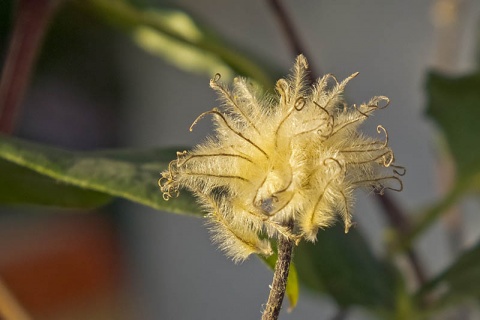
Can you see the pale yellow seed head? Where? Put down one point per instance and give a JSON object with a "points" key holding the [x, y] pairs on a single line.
{"points": [[270, 162]]}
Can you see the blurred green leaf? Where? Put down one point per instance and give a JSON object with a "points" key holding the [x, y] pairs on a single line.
{"points": [[178, 38], [292, 290], [454, 105], [459, 281], [19, 185], [343, 266], [183, 55], [129, 174]]}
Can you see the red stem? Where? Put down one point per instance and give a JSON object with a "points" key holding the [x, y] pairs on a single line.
{"points": [[28, 30]]}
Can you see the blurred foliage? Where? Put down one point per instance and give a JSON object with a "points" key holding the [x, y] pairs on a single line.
{"points": [[459, 282], [454, 105], [75, 45], [175, 36], [127, 174], [6, 10], [19, 185], [342, 266]]}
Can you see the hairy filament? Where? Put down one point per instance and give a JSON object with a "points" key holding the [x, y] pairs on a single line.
{"points": [[221, 176], [193, 156], [344, 125], [375, 159], [377, 180], [215, 85], [219, 114]]}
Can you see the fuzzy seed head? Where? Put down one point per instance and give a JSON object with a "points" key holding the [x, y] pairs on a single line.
{"points": [[294, 158]]}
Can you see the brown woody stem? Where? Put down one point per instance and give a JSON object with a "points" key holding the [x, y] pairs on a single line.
{"points": [[280, 277]]}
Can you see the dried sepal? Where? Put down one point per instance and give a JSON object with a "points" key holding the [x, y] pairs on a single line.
{"points": [[271, 161]]}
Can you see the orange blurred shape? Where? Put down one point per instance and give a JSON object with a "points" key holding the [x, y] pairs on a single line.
{"points": [[60, 262]]}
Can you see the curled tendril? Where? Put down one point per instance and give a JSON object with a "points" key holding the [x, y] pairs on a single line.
{"points": [[382, 98], [216, 112], [200, 117], [381, 128], [358, 110], [167, 183], [331, 125], [339, 87], [400, 187], [402, 173], [167, 194], [373, 104], [214, 83], [299, 103], [361, 147], [340, 167], [331, 76], [282, 88], [181, 153], [182, 157], [387, 159], [171, 171], [323, 109], [328, 122], [387, 162], [380, 188]]}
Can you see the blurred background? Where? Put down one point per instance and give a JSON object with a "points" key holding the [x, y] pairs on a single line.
{"points": [[94, 88]]}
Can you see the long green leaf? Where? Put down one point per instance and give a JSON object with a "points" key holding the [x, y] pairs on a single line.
{"points": [[132, 175], [22, 186]]}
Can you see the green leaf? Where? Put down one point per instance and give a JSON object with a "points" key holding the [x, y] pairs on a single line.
{"points": [[343, 266], [178, 38], [454, 105], [292, 289], [128, 174], [459, 281], [19, 185]]}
